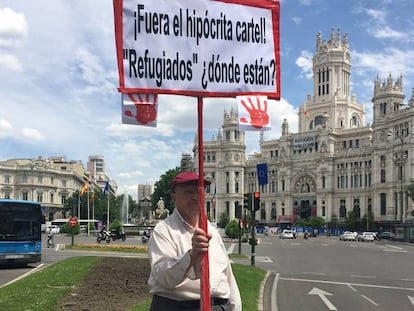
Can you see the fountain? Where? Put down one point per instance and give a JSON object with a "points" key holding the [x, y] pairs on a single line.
{"points": [[125, 210]]}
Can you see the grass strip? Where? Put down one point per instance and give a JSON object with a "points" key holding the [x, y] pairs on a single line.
{"points": [[44, 289], [249, 280]]}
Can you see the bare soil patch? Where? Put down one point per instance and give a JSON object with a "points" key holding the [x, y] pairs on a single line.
{"points": [[115, 284]]}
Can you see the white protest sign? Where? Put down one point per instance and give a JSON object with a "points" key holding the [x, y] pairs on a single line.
{"points": [[252, 113], [198, 47], [140, 109]]}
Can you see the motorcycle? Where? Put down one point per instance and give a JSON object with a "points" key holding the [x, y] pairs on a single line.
{"points": [[118, 235], [306, 235], [145, 237], [103, 235]]}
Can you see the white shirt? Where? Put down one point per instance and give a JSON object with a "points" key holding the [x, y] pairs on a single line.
{"points": [[169, 257]]}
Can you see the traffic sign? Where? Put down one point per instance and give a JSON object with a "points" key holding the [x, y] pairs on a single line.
{"points": [[73, 221]]}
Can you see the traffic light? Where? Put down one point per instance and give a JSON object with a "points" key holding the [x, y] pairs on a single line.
{"points": [[256, 203], [247, 201]]}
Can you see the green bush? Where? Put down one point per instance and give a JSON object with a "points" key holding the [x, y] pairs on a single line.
{"points": [[116, 224], [68, 228], [232, 229]]}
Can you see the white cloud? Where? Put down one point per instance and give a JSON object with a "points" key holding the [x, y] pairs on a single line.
{"points": [[304, 61], [10, 62], [6, 129], [378, 26], [378, 15], [391, 60], [387, 33], [13, 28], [32, 134], [66, 102], [297, 20]]}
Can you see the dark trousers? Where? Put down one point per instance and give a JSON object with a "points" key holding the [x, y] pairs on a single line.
{"points": [[160, 303]]}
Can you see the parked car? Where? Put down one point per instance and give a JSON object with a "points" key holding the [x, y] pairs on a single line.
{"points": [[366, 237], [347, 236], [287, 234], [386, 235]]}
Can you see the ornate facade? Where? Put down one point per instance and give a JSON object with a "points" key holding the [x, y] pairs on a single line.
{"points": [[49, 181], [334, 164]]}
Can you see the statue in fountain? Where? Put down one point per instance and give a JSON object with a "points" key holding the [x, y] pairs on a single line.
{"points": [[161, 212]]}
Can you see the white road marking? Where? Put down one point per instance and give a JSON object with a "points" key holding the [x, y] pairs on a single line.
{"points": [[231, 247], [24, 275], [363, 276], [314, 273], [273, 302], [348, 284], [370, 300], [322, 294]]}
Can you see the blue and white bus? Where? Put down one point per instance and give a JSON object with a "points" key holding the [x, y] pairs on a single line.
{"points": [[20, 232]]}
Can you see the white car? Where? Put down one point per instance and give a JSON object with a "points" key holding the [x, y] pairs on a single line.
{"points": [[347, 236], [287, 234], [366, 237]]}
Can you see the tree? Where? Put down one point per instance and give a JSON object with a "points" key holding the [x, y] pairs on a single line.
{"points": [[98, 206], [223, 220], [368, 224], [353, 222], [162, 189], [232, 229]]}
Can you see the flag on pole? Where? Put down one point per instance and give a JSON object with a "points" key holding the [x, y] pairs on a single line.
{"points": [[213, 199], [106, 189], [84, 188], [262, 173], [92, 196]]}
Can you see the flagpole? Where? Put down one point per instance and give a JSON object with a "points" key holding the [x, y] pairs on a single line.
{"points": [[88, 211], [79, 205], [93, 207], [107, 212]]}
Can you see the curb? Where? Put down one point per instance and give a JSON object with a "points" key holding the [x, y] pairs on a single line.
{"points": [[261, 292]]}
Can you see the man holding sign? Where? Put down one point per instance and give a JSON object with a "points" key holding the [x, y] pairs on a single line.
{"points": [[175, 250]]}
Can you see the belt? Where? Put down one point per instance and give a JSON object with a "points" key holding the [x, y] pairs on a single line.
{"points": [[190, 304], [216, 301]]}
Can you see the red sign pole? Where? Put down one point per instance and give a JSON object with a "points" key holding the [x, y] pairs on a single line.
{"points": [[205, 302]]}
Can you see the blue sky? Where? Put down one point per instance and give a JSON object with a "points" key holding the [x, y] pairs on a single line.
{"points": [[58, 73]]}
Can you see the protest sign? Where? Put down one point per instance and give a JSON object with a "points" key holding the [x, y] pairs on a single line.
{"points": [[198, 47]]}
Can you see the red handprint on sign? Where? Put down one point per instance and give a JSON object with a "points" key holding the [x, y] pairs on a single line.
{"points": [[146, 110], [258, 114]]}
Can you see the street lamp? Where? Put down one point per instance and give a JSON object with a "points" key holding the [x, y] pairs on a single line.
{"points": [[401, 161]]}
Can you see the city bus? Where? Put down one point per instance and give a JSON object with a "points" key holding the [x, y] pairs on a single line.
{"points": [[20, 232]]}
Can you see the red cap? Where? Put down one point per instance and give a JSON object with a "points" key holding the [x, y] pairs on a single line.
{"points": [[187, 177]]}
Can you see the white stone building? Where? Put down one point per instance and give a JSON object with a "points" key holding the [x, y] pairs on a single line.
{"points": [[49, 181], [334, 164]]}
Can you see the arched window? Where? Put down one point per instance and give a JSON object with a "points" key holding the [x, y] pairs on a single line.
{"points": [[383, 203], [354, 122], [319, 120]]}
